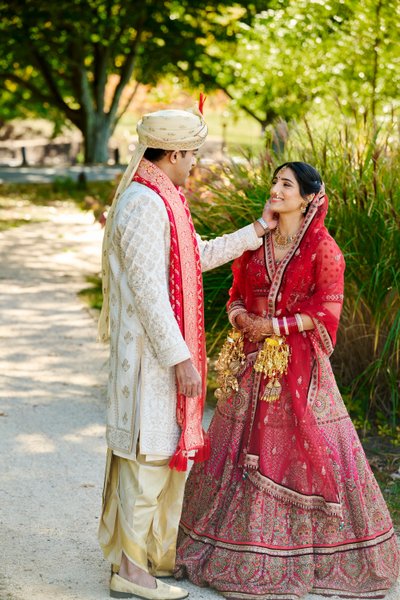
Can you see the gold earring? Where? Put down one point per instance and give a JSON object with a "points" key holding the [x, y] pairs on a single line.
{"points": [[303, 206], [306, 202]]}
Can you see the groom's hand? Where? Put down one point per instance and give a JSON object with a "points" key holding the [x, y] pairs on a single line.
{"points": [[269, 216], [188, 379]]}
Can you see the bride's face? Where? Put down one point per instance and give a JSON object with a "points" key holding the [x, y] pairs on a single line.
{"points": [[285, 192]]}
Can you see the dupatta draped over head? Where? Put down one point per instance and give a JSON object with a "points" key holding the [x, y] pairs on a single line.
{"points": [[309, 280], [171, 130]]}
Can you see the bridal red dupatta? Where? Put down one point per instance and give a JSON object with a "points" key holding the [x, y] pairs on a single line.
{"points": [[309, 280], [186, 297]]}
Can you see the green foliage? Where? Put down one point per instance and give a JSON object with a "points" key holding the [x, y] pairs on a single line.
{"points": [[93, 293], [57, 58], [73, 59], [365, 60], [223, 198], [297, 56], [361, 169], [273, 71], [386, 431]]}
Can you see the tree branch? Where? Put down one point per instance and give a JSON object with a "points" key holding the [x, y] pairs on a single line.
{"points": [[131, 97], [72, 114], [27, 85], [46, 72], [80, 82], [85, 96], [101, 58], [211, 79], [245, 108], [126, 73]]}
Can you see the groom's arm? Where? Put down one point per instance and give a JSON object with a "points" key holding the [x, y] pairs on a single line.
{"points": [[225, 248]]}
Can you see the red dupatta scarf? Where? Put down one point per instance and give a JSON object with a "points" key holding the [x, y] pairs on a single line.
{"points": [[308, 280], [186, 296]]}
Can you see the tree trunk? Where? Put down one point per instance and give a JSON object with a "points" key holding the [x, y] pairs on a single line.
{"points": [[96, 134]]}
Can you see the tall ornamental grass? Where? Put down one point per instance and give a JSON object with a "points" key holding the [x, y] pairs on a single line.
{"points": [[360, 165]]}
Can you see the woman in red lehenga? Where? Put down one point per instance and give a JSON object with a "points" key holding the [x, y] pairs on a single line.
{"points": [[287, 503]]}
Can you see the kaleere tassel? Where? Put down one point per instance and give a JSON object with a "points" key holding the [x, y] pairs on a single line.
{"points": [[228, 364], [272, 361]]}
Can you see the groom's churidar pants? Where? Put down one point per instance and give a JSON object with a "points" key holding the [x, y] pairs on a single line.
{"points": [[142, 503]]}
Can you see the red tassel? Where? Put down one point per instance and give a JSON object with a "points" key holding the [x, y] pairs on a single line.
{"points": [[203, 453], [202, 99], [179, 461]]}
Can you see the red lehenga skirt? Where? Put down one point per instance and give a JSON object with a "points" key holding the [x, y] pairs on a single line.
{"points": [[247, 542]]}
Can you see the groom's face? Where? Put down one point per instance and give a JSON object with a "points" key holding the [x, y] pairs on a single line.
{"points": [[182, 162]]}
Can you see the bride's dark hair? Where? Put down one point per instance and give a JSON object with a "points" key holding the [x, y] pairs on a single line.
{"points": [[307, 177]]}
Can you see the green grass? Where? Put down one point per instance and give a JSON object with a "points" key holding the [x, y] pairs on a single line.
{"points": [[11, 223], [92, 294], [62, 189]]}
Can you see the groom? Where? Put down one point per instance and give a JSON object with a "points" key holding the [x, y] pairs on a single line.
{"points": [[153, 316]]}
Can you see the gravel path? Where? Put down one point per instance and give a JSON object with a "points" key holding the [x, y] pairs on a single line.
{"points": [[53, 377]]}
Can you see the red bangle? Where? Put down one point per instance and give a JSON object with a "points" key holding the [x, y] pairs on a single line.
{"points": [[288, 325]]}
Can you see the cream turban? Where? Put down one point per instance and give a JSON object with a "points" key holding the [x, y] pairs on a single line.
{"points": [[164, 129]]}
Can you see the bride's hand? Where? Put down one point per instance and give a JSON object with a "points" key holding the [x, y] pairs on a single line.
{"points": [[243, 320], [257, 329]]}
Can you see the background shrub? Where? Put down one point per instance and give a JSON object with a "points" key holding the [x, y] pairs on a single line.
{"points": [[360, 165]]}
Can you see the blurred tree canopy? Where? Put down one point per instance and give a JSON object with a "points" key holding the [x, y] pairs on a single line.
{"points": [[303, 54], [56, 57], [273, 58]]}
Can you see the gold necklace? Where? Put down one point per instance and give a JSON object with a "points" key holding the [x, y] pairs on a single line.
{"points": [[282, 241]]}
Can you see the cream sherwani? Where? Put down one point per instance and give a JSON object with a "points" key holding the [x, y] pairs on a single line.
{"points": [[145, 340], [142, 497]]}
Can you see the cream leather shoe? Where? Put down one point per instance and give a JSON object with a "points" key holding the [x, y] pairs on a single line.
{"points": [[122, 588]]}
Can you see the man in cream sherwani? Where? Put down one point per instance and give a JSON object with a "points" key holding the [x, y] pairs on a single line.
{"points": [[150, 257]]}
